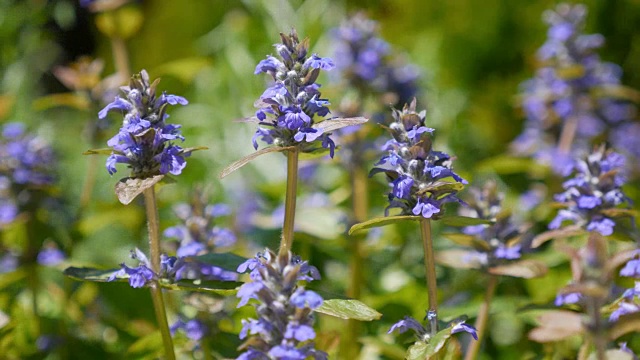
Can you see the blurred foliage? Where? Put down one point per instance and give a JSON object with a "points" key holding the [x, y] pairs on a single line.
{"points": [[473, 55]]}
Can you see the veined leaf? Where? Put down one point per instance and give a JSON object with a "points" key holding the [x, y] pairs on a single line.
{"points": [[246, 159], [223, 288], [626, 324], [459, 259], [128, 189], [568, 231], [339, 123], [227, 261], [437, 343], [348, 309], [382, 221], [460, 221], [417, 351], [556, 325], [90, 274], [467, 240], [525, 269]]}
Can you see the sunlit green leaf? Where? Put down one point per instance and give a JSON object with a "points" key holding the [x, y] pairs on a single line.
{"points": [[246, 159], [104, 151], [382, 221], [65, 99], [417, 351], [223, 288], [437, 343], [467, 240], [505, 164], [348, 309], [185, 69], [526, 269], [90, 274]]}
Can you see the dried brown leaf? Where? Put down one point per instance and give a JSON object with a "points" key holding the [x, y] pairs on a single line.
{"points": [[128, 189], [339, 123], [525, 269]]}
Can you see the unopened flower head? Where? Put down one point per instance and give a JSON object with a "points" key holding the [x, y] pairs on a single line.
{"points": [[594, 189], [369, 63], [288, 108], [145, 141], [417, 173], [562, 94], [27, 165], [284, 327], [500, 241]]}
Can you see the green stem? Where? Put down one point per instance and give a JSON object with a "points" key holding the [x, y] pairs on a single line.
{"points": [[598, 331], [30, 258], [290, 201], [430, 271], [89, 182], [156, 290], [483, 317]]}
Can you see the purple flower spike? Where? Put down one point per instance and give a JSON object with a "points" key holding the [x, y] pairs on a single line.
{"points": [[144, 140], [551, 97], [288, 109], [418, 174], [594, 189], [274, 284]]}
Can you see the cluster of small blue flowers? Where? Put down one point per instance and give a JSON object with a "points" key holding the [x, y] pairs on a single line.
{"points": [[27, 164], [563, 92], [364, 60], [631, 298], [172, 269], [144, 140], [423, 333], [593, 192], [499, 241], [198, 234], [288, 107], [417, 171], [284, 328]]}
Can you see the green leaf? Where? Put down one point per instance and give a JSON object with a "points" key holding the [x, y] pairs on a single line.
{"points": [[246, 159], [525, 269], [348, 309], [339, 123], [223, 288], [417, 351], [103, 151], [456, 220], [382, 221], [556, 325], [459, 259], [128, 189], [227, 261], [65, 99], [90, 274], [467, 240], [148, 346], [438, 342]]}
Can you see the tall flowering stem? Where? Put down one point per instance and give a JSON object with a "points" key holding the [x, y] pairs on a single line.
{"points": [[290, 201], [153, 226], [483, 317], [430, 272]]}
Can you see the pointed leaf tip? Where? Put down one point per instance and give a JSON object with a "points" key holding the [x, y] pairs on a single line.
{"points": [[382, 221], [246, 159]]}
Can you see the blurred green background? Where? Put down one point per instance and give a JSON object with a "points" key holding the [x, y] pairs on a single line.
{"points": [[473, 54]]}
